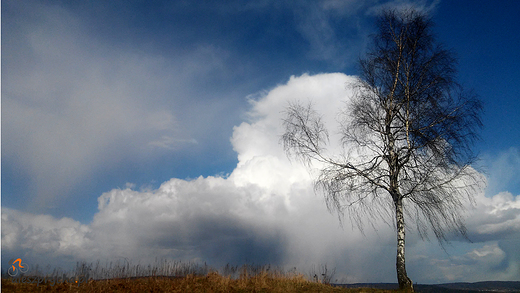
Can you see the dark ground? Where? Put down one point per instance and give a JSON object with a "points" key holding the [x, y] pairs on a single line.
{"points": [[490, 286]]}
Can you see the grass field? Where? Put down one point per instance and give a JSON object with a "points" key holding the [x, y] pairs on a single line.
{"points": [[213, 282], [171, 277]]}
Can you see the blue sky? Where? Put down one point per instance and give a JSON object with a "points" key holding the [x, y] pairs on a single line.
{"points": [[118, 108]]}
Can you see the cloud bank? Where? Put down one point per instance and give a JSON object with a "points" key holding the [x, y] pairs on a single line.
{"points": [[265, 211]]}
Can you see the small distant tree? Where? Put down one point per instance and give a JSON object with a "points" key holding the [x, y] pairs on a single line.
{"points": [[407, 134]]}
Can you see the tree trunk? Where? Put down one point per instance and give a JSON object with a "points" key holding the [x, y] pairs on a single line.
{"points": [[402, 278]]}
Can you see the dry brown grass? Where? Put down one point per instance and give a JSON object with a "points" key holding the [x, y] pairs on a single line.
{"points": [[212, 282], [175, 276]]}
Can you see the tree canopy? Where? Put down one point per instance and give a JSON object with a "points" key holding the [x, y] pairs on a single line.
{"points": [[407, 134]]}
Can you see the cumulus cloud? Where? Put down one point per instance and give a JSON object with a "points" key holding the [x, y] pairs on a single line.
{"points": [[265, 211], [44, 239], [474, 263], [260, 213], [493, 225]]}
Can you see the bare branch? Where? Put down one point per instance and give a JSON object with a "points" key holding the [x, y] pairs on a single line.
{"points": [[407, 135]]}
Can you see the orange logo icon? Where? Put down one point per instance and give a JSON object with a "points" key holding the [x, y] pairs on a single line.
{"points": [[13, 270]]}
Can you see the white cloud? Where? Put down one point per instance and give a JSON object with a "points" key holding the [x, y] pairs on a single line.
{"points": [[474, 263], [44, 239], [496, 217], [264, 211], [493, 227], [327, 92]]}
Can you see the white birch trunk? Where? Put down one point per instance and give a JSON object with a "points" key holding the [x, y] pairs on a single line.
{"points": [[402, 278]]}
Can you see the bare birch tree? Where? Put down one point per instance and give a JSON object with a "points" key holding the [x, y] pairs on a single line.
{"points": [[407, 135]]}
